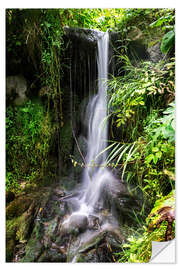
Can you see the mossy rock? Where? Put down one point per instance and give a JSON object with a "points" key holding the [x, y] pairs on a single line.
{"points": [[17, 207], [10, 245], [11, 228], [21, 214], [17, 229], [34, 249], [52, 255], [26, 220]]}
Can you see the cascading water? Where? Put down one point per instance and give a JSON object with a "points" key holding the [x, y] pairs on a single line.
{"points": [[95, 175], [97, 132], [93, 208]]}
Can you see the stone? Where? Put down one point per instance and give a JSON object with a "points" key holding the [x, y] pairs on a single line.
{"points": [[34, 249], [59, 192], [79, 221], [155, 54], [18, 207], [95, 246], [16, 86], [75, 224], [52, 255]]}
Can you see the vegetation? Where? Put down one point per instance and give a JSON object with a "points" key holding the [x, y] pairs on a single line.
{"points": [[29, 133], [141, 109]]}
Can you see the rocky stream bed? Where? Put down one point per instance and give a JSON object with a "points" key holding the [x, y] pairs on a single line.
{"points": [[40, 227]]}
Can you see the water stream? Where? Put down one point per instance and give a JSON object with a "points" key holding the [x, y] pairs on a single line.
{"points": [[96, 175]]}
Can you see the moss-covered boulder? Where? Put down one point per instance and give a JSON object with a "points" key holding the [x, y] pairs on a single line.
{"points": [[34, 249], [17, 207], [11, 228]]}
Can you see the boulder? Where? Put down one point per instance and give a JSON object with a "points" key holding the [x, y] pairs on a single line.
{"points": [[155, 54], [75, 224], [16, 87]]}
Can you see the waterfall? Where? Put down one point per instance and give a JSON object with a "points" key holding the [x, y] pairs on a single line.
{"points": [[95, 176]]}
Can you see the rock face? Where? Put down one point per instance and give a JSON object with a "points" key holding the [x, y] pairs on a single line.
{"points": [[155, 54], [16, 86]]}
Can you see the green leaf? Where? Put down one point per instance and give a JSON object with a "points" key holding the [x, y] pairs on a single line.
{"points": [[149, 158], [167, 41], [25, 109], [164, 148], [18, 43], [155, 149], [157, 23], [155, 159], [159, 154]]}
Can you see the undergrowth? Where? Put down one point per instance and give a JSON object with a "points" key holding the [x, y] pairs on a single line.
{"points": [[28, 142]]}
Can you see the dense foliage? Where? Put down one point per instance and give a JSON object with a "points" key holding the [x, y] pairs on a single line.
{"points": [[29, 132]]}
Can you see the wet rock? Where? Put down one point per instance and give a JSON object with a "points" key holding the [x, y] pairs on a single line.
{"points": [[84, 244], [52, 255], [33, 250], [96, 255], [50, 229], [90, 36], [79, 221], [94, 222], [92, 240], [59, 193], [97, 246], [75, 224]]}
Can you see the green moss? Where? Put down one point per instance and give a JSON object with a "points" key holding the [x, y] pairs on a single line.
{"points": [[17, 207], [33, 250], [10, 250], [11, 228]]}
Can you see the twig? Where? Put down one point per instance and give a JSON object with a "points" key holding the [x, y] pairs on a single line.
{"points": [[66, 197], [77, 144]]}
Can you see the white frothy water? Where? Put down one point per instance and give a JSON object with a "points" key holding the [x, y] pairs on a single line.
{"points": [[95, 175]]}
